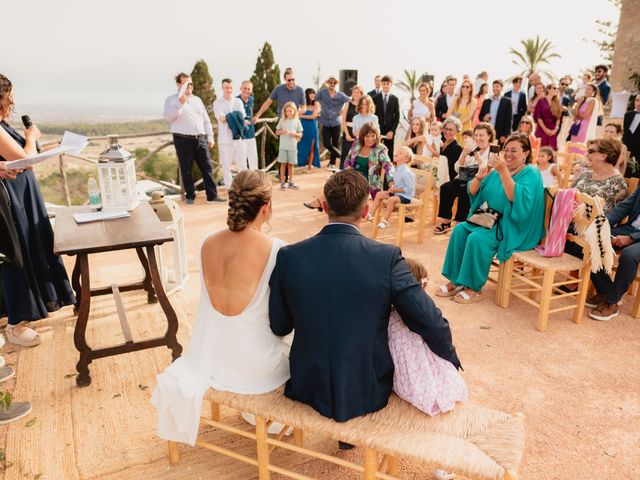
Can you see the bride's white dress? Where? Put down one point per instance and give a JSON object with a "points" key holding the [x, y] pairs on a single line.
{"points": [[236, 353]]}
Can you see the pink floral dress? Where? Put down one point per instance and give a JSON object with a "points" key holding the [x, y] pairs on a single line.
{"points": [[430, 383]]}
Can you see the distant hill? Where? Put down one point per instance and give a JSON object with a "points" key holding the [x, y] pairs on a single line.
{"points": [[99, 129]]}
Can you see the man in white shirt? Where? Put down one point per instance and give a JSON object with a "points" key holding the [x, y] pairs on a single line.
{"points": [[230, 143], [534, 79], [192, 138]]}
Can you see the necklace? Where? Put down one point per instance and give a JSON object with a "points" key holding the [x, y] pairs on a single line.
{"points": [[517, 170]]}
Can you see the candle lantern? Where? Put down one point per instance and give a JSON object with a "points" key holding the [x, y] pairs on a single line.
{"points": [[117, 177], [172, 256]]}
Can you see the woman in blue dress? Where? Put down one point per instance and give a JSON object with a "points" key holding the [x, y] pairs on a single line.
{"points": [[309, 145], [41, 285]]}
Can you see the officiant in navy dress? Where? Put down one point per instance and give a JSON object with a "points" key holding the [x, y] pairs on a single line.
{"points": [[41, 285]]}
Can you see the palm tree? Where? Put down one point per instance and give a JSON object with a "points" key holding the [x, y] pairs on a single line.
{"points": [[535, 53], [410, 83]]}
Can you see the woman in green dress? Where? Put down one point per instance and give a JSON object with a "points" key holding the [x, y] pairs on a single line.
{"points": [[513, 188]]}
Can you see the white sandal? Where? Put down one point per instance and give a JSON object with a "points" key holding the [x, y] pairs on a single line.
{"points": [[28, 338], [443, 291]]}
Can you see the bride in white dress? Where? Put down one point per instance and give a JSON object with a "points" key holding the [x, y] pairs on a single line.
{"points": [[232, 347]]}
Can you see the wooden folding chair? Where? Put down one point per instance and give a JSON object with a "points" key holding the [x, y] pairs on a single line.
{"points": [[531, 277], [575, 147], [417, 206]]}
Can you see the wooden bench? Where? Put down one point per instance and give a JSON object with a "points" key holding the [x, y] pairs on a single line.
{"points": [[473, 441]]}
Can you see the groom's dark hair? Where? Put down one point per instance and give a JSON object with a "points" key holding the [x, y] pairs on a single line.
{"points": [[346, 194]]}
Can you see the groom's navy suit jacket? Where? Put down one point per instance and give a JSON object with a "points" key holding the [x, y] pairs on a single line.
{"points": [[336, 290]]}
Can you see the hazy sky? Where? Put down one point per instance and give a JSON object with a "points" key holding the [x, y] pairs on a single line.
{"points": [[123, 54]]}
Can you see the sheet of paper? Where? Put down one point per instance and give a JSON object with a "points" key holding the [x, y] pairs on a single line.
{"points": [[71, 143], [100, 216], [183, 89]]}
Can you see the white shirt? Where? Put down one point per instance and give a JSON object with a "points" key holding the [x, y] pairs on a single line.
{"points": [[634, 123], [515, 97], [189, 118], [449, 100], [222, 107]]}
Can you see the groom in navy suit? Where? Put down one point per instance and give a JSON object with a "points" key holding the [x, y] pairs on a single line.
{"points": [[336, 290]]}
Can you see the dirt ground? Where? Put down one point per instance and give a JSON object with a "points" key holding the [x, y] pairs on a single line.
{"points": [[578, 385]]}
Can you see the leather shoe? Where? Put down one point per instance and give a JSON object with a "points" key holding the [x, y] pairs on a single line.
{"points": [[345, 446], [217, 200]]}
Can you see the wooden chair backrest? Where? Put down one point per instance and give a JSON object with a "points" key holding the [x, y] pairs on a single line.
{"points": [[565, 162], [423, 177], [582, 147], [632, 185]]}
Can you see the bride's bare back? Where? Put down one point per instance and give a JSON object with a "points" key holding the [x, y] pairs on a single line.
{"points": [[232, 267]]}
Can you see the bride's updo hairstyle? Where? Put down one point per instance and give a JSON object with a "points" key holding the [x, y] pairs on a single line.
{"points": [[250, 191]]}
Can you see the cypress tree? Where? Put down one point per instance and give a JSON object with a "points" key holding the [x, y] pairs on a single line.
{"points": [[265, 78]]}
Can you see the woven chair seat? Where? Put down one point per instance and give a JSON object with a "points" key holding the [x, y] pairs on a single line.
{"points": [[563, 263], [474, 441]]}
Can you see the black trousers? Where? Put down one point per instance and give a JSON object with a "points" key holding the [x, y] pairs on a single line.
{"points": [[389, 145], [448, 193], [346, 146], [196, 150], [628, 262], [331, 141]]}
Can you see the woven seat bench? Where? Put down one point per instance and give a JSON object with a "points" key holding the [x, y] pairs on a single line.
{"points": [[473, 441]]}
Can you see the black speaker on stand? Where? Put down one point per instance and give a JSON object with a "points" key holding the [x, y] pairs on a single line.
{"points": [[348, 79]]}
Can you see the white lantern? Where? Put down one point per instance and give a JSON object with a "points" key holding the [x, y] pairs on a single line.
{"points": [[172, 256], [117, 177]]}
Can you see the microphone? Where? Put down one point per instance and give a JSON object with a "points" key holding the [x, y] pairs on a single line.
{"points": [[26, 121]]}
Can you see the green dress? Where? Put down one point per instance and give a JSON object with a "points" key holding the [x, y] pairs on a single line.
{"points": [[472, 248]]}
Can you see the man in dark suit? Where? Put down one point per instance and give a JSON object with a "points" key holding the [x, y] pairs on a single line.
{"points": [[378, 89], [631, 133], [604, 88], [445, 100], [497, 111], [626, 236], [518, 101], [336, 290], [388, 112]]}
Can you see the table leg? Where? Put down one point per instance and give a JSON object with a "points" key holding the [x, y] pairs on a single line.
{"points": [[83, 379], [75, 283], [172, 319], [147, 282]]}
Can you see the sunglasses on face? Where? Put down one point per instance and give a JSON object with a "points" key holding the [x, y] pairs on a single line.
{"points": [[564, 84], [525, 123], [465, 86], [291, 80], [592, 150]]}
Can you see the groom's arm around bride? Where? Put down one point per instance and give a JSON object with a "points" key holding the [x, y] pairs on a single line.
{"points": [[336, 290]]}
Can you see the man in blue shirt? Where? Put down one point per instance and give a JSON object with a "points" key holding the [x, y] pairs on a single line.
{"points": [[249, 134], [332, 102], [283, 93]]}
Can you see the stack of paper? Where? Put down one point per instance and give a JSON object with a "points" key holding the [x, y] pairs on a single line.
{"points": [[99, 216], [71, 143]]}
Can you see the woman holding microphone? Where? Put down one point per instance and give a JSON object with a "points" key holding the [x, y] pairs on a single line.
{"points": [[41, 285]]}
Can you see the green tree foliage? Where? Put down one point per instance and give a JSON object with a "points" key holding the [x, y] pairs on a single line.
{"points": [[161, 165], [535, 53], [609, 30], [203, 86], [265, 78], [100, 129], [410, 83]]}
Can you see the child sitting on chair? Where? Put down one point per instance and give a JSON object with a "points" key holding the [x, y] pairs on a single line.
{"points": [[403, 188], [430, 383]]}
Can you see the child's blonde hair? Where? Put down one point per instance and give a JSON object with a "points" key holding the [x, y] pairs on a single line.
{"points": [[408, 152], [436, 124], [550, 153], [292, 106], [419, 271]]}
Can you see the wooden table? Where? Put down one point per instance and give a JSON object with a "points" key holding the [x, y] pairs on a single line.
{"points": [[142, 230]]}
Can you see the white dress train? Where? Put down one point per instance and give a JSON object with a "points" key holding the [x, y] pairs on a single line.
{"points": [[230, 353]]}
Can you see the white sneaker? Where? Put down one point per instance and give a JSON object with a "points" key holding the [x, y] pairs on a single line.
{"points": [[383, 224]]}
